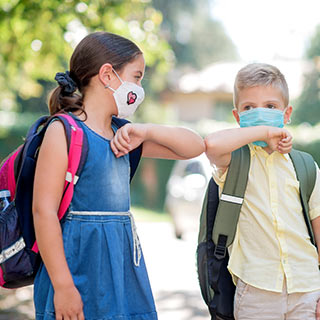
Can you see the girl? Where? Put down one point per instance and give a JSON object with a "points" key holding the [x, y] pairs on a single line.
{"points": [[93, 267]]}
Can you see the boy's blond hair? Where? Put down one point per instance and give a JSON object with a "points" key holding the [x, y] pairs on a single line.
{"points": [[260, 74]]}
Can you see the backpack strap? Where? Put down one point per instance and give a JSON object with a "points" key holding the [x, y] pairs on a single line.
{"points": [[77, 150], [69, 125], [31, 133], [306, 172], [74, 157], [228, 212], [134, 155], [231, 200]]}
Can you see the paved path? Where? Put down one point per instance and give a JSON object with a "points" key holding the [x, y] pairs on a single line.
{"points": [[172, 272]]}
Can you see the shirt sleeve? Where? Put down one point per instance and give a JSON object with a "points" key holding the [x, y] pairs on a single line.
{"points": [[314, 201], [219, 176]]}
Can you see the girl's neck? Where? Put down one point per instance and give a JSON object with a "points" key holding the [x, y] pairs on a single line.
{"points": [[99, 114]]}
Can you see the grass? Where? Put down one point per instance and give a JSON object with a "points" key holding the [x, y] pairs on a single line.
{"points": [[143, 214]]}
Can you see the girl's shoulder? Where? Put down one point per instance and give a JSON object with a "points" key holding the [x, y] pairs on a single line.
{"points": [[54, 142], [55, 134]]}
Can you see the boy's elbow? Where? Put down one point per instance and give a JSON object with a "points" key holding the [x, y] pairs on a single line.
{"points": [[211, 145], [212, 148]]}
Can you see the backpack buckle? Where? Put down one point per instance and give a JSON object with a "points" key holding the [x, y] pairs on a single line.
{"points": [[220, 252]]}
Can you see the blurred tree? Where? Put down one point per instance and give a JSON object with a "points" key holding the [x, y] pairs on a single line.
{"points": [[38, 37], [308, 104], [194, 36]]}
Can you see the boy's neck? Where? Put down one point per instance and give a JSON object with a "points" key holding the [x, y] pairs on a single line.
{"points": [[267, 150]]}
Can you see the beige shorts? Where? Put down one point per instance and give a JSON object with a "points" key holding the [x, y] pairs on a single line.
{"points": [[251, 303]]}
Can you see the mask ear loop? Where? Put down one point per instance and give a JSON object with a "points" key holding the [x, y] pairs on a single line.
{"points": [[107, 86], [117, 75]]}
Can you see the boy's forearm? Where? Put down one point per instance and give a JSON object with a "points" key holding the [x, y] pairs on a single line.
{"points": [[221, 143]]}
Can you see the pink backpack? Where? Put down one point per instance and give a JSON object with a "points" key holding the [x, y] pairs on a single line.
{"points": [[19, 255]]}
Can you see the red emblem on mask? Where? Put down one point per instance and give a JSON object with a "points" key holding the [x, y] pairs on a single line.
{"points": [[131, 98]]}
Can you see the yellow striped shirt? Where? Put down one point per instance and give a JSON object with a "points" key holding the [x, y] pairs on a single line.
{"points": [[272, 242]]}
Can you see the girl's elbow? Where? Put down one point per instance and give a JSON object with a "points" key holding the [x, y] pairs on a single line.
{"points": [[40, 210], [197, 148], [36, 213], [201, 147]]}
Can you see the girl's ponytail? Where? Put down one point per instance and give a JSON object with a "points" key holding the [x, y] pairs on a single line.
{"points": [[63, 98]]}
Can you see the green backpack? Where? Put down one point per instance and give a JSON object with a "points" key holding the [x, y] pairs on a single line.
{"points": [[218, 225]]}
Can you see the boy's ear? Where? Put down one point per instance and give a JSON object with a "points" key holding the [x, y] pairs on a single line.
{"points": [[105, 74], [236, 115], [287, 115]]}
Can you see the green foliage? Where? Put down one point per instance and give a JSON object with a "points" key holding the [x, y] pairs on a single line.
{"points": [[314, 47], [148, 187], [13, 128], [196, 39], [309, 101], [38, 37]]}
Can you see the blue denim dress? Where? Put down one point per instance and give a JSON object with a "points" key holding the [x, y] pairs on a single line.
{"points": [[101, 245]]}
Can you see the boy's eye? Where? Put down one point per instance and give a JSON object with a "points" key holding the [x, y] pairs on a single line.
{"points": [[271, 106], [247, 108]]}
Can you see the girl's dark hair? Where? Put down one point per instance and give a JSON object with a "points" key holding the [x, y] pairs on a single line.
{"points": [[90, 54]]}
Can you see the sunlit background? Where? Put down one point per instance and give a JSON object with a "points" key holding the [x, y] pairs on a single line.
{"points": [[193, 50]]}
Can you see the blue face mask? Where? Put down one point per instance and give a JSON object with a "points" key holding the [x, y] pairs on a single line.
{"points": [[262, 117]]}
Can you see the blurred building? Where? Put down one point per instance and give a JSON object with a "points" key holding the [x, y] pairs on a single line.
{"points": [[208, 93]]}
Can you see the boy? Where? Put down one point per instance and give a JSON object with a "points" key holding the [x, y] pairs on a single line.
{"points": [[272, 261]]}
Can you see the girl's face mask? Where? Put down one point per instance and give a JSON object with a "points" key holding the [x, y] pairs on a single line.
{"points": [[127, 97], [262, 117]]}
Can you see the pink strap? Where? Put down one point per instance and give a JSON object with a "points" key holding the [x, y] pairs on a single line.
{"points": [[75, 149], [76, 141], [12, 180], [2, 282]]}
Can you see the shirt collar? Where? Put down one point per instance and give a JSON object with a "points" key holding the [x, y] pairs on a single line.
{"points": [[257, 149]]}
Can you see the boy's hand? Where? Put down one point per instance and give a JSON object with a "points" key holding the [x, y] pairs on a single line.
{"points": [[127, 138], [279, 139], [285, 144]]}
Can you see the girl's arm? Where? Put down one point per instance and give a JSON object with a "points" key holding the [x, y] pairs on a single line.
{"points": [[159, 141], [220, 144], [48, 188]]}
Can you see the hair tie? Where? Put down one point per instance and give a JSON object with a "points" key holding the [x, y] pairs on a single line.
{"points": [[66, 83]]}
